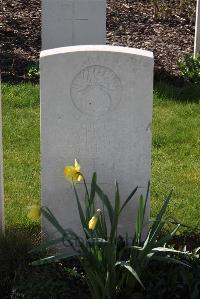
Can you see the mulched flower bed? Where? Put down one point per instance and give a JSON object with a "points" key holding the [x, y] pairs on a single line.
{"points": [[167, 30]]}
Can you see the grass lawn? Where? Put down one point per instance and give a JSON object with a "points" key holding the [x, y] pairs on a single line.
{"points": [[175, 155], [20, 105]]}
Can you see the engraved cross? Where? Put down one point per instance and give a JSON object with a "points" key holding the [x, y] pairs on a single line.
{"points": [[74, 19]]}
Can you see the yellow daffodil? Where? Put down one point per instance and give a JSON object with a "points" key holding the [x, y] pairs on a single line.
{"points": [[72, 172], [34, 213], [93, 221]]}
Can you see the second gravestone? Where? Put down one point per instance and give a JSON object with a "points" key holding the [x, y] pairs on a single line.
{"points": [[73, 22], [96, 106]]}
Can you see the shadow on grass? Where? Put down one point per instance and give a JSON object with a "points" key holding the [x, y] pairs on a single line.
{"points": [[166, 88], [181, 93]]}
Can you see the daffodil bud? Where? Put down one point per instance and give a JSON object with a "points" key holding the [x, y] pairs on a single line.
{"points": [[93, 221]]}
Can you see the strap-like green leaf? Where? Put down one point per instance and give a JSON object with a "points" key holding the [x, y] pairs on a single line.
{"points": [[146, 201], [48, 214], [98, 241], [139, 220], [147, 194], [87, 208], [106, 202], [81, 214], [114, 224], [54, 258], [103, 224], [97, 282], [156, 227], [47, 244], [165, 249], [168, 237], [169, 260], [134, 273], [128, 199], [93, 189], [127, 266]]}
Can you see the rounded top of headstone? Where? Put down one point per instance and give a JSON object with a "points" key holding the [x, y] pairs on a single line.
{"points": [[102, 48]]}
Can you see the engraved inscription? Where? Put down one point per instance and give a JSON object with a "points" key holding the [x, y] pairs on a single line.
{"points": [[95, 90]]}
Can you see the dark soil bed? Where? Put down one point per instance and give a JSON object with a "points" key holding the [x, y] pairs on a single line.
{"points": [[66, 279], [166, 29]]}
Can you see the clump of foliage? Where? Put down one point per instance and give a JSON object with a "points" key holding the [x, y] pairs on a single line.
{"points": [[33, 72], [190, 68], [109, 267]]}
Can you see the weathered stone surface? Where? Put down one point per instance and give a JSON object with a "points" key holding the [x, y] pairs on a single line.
{"points": [[96, 106], [73, 22]]}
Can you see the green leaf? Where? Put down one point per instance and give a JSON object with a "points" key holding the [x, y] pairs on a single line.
{"points": [[114, 224], [54, 258], [96, 281], [127, 266], [141, 215], [48, 214], [81, 214], [89, 199], [146, 241], [134, 273], [98, 241], [87, 232], [102, 221], [164, 207], [136, 247], [152, 243], [146, 199], [73, 235], [165, 249], [106, 202], [87, 207], [93, 189], [139, 220], [169, 260], [168, 237], [156, 227], [128, 199], [197, 250], [47, 244]]}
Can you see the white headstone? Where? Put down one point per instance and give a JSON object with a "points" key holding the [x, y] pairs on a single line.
{"points": [[96, 106], [1, 174], [73, 22], [197, 30]]}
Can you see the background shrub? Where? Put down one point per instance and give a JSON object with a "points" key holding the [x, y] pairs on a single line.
{"points": [[190, 68]]}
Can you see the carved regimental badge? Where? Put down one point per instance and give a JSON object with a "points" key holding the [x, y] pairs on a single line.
{"points": [[95, 90]]}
